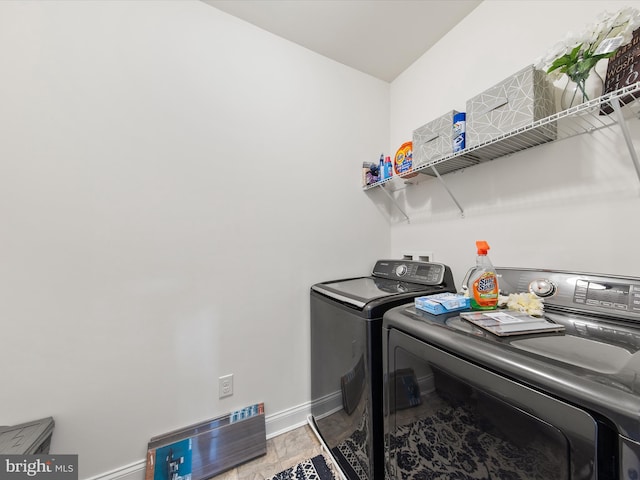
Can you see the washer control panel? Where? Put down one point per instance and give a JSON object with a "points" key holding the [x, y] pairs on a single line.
{"points": [[607, 294], [425, 273]]}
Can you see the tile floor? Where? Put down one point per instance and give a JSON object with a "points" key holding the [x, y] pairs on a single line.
{"points": [[283, 452]]}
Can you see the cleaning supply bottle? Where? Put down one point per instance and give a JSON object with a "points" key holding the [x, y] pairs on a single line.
{"points": [[388, 168], [381, 164], [483, 282]]}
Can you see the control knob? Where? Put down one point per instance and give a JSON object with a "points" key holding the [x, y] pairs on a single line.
{"points": [[542, 288], [401, 270]]}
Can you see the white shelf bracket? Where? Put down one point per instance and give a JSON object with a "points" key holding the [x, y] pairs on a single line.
{"points": [[391, 197], [615, 104], [444, 184]]}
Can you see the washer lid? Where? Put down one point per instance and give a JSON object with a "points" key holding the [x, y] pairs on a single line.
{"points": [[360, 291]]}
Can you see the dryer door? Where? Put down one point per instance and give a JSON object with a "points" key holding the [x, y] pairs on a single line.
{"points": [[449, 418]]}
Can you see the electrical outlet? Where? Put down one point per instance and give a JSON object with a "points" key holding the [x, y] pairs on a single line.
{"points": [[225, 386]]}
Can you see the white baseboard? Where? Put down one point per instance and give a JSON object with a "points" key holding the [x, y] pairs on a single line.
{"points": [[287, 420], [133, 471], [275, 424], [327, 405]]}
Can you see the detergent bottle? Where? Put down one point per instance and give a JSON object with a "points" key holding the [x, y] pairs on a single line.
{"points": [[388, 168], [483, 282]]}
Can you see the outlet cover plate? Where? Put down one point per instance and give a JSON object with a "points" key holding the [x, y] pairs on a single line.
{"points": [[225, 386]]}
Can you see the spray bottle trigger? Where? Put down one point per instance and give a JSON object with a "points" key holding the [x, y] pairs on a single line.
{"points": [[483, 247]]}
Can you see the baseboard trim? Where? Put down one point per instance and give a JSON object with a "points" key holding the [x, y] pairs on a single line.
{"points": [[133, 471], [287, 420], [275, 424], [327, 405]]}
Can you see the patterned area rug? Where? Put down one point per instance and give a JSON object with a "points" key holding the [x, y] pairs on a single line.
{"points": [[315, 468], [454, 443], [351, 454]]}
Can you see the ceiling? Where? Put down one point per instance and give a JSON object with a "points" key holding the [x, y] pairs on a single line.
{"points": [[378, 37]]}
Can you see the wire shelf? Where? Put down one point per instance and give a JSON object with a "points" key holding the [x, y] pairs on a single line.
{"points": [[601, 112]]}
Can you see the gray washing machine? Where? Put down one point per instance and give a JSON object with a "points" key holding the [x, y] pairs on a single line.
{"points": [[346, 357], [561, 405]]}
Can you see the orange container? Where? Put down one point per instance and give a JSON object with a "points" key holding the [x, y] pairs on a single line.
{"points": [[403, 161]]}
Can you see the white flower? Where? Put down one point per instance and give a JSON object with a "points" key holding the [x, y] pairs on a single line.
{"points": [[616, 29], [561, 48], [592, 33], [627, 17]]}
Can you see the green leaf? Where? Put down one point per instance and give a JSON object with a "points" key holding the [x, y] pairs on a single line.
{"points": [[566, 61], [559, 62], [575, 53]]}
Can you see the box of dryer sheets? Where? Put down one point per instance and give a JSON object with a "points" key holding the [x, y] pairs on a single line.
{"points": [[442, 303]]}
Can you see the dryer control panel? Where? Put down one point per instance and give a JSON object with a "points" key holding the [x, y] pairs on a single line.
{"points": [[425, 273]]}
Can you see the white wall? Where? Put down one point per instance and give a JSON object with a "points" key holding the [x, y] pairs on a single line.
{"points": [[569, 205], [172, 181]]}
